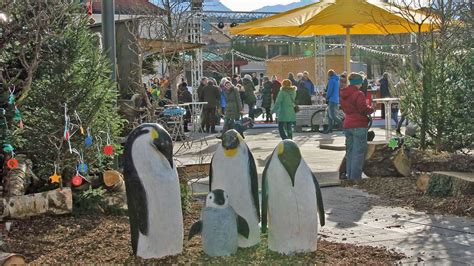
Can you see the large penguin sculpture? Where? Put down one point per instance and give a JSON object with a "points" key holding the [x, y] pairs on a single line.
{"points": [[153, 193], [233, 170], [291, 198], [219, 225]]}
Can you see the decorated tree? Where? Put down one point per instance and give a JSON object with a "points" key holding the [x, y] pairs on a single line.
{"points": [[68, 108]]}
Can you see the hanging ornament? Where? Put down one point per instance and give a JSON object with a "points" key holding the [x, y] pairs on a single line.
{"points": [[108, 149], [393, 143], [79, 122], [12, 163], [89, 140], [8, 148], [17, 117], [11, 96], [55, 178], [82, 168], [77, 180]]}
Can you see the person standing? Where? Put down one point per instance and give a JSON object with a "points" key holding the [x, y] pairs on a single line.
{"points": [[291, 77], [308, 83], [249, 95], [200, 89], [234, 106], [365, 88], [212, 96], [284, 108], [343, 81], [356, 121], [332, 96], [184, 96], [222, 89], [255, 81], [276, 85], [384, 83], [267, 99]]}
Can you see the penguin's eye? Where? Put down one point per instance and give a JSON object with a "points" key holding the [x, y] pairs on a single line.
{"points": [[210, 197]]}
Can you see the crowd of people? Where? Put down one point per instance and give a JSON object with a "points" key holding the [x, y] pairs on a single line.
{"points": [[225, 99]]}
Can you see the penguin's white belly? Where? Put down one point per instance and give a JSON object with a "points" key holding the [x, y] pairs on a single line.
{"points": [[231, 174], [165, 218], [292, 211]]}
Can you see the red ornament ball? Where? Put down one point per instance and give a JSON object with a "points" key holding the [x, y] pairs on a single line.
{"points": [[12, 163], [108, 150], [76, 180]]}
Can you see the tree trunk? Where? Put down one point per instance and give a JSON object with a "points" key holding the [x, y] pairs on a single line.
{"points": [[17, 180], [50, 202], [113, 181], [445, 184], [7, 259], [427, 161], [383, 161]]}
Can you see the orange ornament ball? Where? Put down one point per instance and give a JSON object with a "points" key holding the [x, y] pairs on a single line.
{"points": [[76, 180]]}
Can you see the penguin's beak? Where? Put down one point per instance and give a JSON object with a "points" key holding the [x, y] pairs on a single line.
{"points": [[164, 144], [290, 157]]}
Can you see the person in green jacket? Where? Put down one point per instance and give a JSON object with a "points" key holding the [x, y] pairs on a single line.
{"points": [[267, 99], [233, 108], [284, 109], [249, 95]]}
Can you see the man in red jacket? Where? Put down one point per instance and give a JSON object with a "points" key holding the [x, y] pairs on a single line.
{"points": [[356, 110]]}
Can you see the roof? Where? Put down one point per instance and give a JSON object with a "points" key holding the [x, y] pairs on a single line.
{"points": [[128, 7]]}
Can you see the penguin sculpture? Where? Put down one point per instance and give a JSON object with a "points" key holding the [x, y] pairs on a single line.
{"points": [[153, 193], [291, 198], [219, 225], [233, 170]]}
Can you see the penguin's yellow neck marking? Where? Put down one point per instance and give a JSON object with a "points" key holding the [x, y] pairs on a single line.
{"points": [[154, 134], [230, 152], [281, 149]]}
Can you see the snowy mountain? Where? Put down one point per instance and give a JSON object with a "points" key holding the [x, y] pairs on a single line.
{"points": [[214, 5], [283, 8]]}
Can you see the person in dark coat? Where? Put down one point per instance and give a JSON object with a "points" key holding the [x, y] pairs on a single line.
{"points": [[384, 90], [234, 106], [212, 95], [249, 95], [308, 83], [356, 121], [276, 85], [184, 96], [267, 99], [200, 89], [302, 96], [291, 77], [255, 80]]}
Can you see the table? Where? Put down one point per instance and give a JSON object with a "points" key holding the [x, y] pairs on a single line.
{"points": [[388, 114], [196, 112]]}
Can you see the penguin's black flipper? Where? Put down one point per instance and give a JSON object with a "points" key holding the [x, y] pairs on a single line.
{"points": [[136, 193], [242, 227], [254, 182], [265, 194], [196, 228], [319, 202], [210, 174]]}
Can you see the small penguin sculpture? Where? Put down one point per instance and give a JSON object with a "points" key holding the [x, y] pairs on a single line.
{"points": [[219, 226]]}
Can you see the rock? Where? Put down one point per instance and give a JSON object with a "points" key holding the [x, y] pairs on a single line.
{"points": [[422, 182]]}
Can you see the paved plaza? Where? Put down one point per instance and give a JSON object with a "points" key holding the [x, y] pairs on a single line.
{"points": [[352, 215]]}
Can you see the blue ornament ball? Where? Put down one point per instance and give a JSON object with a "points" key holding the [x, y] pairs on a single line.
{"points": [[88, 141], [82, 168]]}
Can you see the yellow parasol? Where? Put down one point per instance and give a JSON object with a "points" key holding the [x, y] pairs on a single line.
{"points": [[338, 17]]}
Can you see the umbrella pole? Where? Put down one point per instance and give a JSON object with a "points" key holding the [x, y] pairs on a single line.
{"points": [[348, 49]]}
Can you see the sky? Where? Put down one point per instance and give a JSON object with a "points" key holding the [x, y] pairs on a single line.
{"points": [[249, 5]]}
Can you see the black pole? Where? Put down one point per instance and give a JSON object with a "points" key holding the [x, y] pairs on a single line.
{"points": [[108, 33]]}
